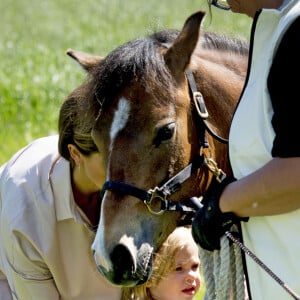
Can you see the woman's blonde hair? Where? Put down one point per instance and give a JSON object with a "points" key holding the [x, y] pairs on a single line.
{"points": [[164, 262]]}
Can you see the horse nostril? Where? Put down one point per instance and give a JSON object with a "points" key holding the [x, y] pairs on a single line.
{"points": [[123, 262]]}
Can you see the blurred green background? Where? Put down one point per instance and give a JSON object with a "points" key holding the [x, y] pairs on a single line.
{"points": [[35, 73]]}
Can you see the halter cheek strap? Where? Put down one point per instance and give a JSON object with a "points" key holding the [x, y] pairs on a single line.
{"points": [[201, 107]]}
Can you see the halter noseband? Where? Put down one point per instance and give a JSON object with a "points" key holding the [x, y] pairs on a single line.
{"points": [[189, 206]]}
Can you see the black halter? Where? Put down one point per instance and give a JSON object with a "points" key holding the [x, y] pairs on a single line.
{"points": [[189, 206]]}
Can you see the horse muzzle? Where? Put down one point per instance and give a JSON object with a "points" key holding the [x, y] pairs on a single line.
{"points": [[126, 265]]}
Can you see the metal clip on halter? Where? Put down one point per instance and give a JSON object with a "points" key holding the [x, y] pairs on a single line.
{"points": [[213, 167]]}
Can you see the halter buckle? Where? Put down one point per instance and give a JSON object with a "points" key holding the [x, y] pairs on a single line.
{"points": [[200, 105], [156, 195]]}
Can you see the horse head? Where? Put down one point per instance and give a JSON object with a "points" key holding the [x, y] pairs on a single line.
{"points": [[154, 144]]}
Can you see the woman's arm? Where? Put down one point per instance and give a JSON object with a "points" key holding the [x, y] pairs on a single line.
{"points": [[24, 268]]}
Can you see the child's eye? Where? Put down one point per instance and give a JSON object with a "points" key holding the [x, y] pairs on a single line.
{"points": [[178, 269], [195, 266]]}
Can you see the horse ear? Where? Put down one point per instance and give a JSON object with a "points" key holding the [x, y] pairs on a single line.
{"points": [[178, 56], [86, 60]]}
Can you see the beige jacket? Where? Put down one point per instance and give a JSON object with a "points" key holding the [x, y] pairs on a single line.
{"points": [[44, 240]]}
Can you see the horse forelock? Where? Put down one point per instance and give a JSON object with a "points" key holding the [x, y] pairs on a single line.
{"points": [[137, 61]]}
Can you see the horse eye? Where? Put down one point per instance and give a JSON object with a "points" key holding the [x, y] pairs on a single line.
{"points": [[164, 133]]}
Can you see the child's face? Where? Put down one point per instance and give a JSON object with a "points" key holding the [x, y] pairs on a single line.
{"points": [[183, 282]]}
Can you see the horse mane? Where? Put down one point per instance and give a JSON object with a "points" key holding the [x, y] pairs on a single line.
{"points": [[139, 60], [221, 42]]}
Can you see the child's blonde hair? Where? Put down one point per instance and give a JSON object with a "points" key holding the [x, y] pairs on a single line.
{"points": [[164, 262]]}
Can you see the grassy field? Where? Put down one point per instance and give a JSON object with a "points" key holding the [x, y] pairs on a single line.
{"points": [[35, 73]]}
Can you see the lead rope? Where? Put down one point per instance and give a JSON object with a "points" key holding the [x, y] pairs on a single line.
{"points": [[223, 272]]}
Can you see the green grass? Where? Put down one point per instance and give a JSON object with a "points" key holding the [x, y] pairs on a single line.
{"points": [[35, 73]]}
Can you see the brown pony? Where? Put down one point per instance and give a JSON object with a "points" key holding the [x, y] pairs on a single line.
{"points": [[161, 107]]}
